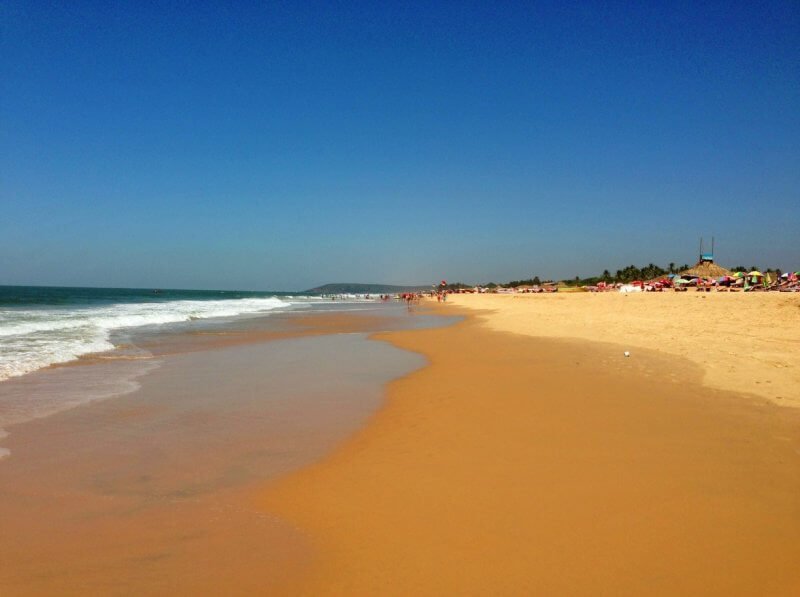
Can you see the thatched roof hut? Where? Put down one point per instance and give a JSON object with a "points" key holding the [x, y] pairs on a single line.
{"points": [[706, 269]]}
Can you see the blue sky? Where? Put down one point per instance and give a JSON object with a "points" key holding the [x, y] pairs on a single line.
{"points": [[292, 144]]}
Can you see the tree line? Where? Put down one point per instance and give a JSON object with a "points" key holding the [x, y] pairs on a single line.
{"points": [[627, 274]]}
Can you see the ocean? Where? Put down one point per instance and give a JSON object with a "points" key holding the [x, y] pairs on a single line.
{"points": [[45, 326]]}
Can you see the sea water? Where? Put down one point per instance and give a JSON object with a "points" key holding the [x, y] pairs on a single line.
{"points": [[45, 326]]}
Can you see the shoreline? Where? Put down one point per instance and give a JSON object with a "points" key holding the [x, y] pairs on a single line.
{"points": [[147, 493], [116, 372], [514, 464]]}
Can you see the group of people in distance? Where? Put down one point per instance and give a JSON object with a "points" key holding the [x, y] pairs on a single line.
{"points": [[753, 281]]}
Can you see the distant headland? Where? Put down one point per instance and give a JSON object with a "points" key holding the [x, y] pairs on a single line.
{"points": [[352, 288]]}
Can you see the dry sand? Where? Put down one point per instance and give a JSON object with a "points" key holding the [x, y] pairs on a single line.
{"points": [[743, 342], [525, 466]]}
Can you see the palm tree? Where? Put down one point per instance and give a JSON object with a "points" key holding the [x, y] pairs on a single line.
{"points": [[672, 268]]}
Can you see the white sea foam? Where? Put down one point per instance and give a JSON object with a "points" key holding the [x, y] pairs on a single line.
{"points": [[31, 339], [54, 390]]}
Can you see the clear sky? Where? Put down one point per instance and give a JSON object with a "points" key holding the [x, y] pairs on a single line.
{"points": [[281, 145]]}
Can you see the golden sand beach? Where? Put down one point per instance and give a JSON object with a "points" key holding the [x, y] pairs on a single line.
{"points": [[529, 456], [520, 465], [743, 343]]}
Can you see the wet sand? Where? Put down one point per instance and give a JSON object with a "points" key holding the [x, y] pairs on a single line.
{"points": [[151, 493], [515, 465]]}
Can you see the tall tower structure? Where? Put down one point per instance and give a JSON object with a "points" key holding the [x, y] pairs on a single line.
{"points": [[706, 257]]}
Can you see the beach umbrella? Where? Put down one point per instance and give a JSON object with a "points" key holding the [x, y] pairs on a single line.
{"points": [[755, 273], [680, 281], [738, 274], [672, 276]]}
